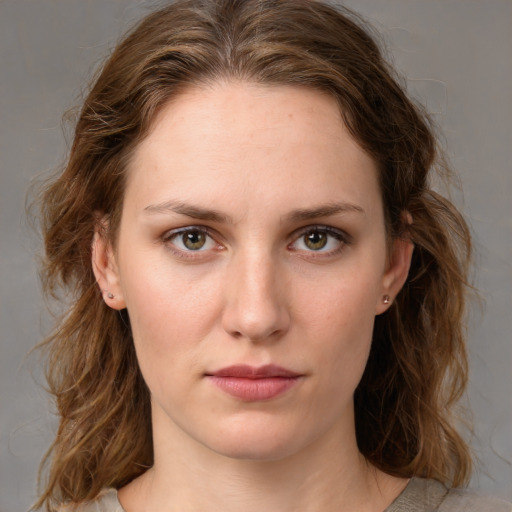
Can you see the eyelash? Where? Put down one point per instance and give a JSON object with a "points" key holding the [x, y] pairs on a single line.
{"points": [[340, 236], [187, 254]]}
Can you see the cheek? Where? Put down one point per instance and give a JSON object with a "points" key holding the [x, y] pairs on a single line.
{"points": [[340, 316], [170, 319], [343, 300], [169, 310]]}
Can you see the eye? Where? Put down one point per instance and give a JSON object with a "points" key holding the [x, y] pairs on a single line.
{"points": [[320, 239], [191, 239], [316, 240]]}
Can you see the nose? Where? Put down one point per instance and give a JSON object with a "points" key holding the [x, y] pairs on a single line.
{"points": [[255, 306]]}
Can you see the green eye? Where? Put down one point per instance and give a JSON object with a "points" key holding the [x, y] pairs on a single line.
{"points": [[315, 240], [324, 240], [194, 240]]}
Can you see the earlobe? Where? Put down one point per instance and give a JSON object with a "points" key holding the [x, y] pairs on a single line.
{"points": [[105, 269], [396, 273]]}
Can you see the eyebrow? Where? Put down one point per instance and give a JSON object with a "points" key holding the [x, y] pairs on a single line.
{"points": [[326, 210], [195, 212], [299, 215]]}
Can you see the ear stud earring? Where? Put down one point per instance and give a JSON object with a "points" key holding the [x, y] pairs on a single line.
{"points": [[386, 299], [110, 295]]}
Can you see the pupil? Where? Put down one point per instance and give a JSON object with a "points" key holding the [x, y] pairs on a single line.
{"points": [[194, 240], [316, 240]]}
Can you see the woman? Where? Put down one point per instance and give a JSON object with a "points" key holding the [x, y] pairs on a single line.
{"points": [[268, 296]]}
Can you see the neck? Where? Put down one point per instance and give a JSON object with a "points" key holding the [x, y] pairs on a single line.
{"points": [[328, 475]]}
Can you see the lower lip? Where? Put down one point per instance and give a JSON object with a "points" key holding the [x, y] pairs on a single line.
{"points": [[254, 390]]}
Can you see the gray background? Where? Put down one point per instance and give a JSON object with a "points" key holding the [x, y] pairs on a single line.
{"points": [[457, 57]]}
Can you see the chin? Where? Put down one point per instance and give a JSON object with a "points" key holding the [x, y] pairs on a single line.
{"points": [[255, 452], [258, 444]]}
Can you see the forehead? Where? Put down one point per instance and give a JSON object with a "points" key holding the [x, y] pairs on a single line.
{"points": [[239, 140], [250, 112]]}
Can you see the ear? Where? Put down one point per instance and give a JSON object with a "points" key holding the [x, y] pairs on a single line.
{"points": [[106, 270], [396, 273]]}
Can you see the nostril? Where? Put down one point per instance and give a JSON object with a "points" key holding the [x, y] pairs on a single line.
{"points": [[257, 335]]}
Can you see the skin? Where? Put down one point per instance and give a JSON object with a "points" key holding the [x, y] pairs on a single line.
{"points": [[268, 170]]}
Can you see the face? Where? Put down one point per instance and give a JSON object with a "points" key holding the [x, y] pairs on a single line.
{"points": [[252, 259]]}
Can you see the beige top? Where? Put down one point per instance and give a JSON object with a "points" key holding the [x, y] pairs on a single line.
{"points": [[420, 495]]}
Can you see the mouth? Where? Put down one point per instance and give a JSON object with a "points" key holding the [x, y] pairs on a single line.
{"points": [[254, 384]]}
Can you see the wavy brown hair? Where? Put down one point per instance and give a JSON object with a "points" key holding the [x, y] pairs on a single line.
{"points": [[417, 366]]}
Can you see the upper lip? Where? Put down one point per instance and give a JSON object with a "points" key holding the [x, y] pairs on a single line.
{"points": [[244, 371]]}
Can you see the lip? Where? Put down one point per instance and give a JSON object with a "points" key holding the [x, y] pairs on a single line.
{"points": [[253, 384]]}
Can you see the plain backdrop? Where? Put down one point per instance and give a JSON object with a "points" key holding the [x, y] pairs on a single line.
{"points": [[456, 55]]}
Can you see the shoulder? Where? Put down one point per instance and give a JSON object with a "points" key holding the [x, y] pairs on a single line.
{"points": [[106, 501], [465, 500], [423, 495]]}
